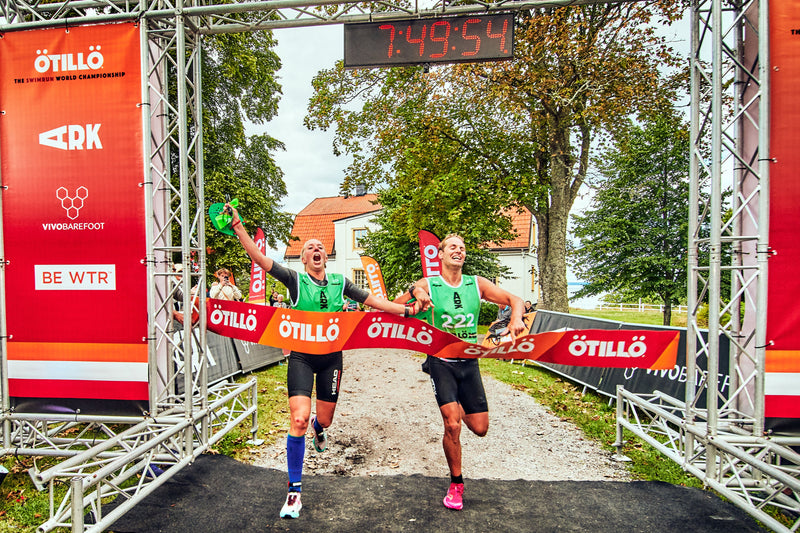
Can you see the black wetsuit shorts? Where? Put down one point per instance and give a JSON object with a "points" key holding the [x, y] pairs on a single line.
{"points": [[303, 367], [458, 381]]}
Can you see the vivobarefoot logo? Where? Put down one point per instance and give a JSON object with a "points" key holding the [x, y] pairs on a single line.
{"points": [[72, 204]]}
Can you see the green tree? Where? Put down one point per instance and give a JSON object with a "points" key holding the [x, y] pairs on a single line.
{"points": [[459, 144], [239, 83], [633, 239]]}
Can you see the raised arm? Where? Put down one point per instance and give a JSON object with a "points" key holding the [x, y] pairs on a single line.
{"points": [[249, 244]]}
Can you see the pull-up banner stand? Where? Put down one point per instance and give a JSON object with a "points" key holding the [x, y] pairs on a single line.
{"points": [[73, 218]]}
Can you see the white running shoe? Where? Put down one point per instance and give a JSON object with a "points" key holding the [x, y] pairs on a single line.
{"points": [[291, 509]]}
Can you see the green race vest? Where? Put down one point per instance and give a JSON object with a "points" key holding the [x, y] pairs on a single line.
{"points": [[456, 309], [312, 297]]}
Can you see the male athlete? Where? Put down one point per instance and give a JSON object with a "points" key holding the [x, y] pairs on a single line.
{"points": [[311, 290], [455, 301]]}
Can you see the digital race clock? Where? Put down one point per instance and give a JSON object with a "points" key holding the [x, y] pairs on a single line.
{"points": [[429, 40]]}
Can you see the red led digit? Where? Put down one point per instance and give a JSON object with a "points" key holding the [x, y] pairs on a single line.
{"points": [[389, 27], [445, 40], [475, 38], [501, 35], [420, 40]]}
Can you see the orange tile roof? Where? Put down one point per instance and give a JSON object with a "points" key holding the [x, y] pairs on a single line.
{"points": [[315, 221], [522, 227], [317, 218]]}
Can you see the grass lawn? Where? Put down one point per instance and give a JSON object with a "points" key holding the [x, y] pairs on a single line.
{"points": [[633, 317]]}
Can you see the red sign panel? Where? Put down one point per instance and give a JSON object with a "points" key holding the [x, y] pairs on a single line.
{"points": [[73, 212], [258, 286], [782, 378], [429, 253]]}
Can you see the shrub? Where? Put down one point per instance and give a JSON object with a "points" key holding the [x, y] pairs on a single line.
{"points": [[488, 313]]}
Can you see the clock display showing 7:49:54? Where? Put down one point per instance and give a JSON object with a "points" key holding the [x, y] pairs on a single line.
{"points": [[429, 40]]}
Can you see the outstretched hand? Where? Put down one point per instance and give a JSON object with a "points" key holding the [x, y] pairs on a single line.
{"points": [[516, 328], [231, 210], [420, 306]]}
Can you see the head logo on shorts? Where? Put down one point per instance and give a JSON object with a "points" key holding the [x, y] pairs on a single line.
{"points": [[72, 204]]}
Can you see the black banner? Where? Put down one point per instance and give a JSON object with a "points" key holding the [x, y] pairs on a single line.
{"points": [[253, 356], [641, 381]]}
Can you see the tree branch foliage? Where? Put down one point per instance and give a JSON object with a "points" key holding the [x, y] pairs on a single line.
{"points": [[239, 83], [634, 238], [454, 147]]}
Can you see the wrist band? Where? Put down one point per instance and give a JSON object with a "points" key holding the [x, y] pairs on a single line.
{"points": [[405, 311], [236, 222], [411, 289]]}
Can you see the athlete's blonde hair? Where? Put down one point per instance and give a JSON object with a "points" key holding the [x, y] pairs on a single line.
{"points": [[449, 236]]}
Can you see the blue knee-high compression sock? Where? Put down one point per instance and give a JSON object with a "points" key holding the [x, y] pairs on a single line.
{"points": [[295, 450]]}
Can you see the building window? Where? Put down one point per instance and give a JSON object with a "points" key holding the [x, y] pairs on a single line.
{"points": [[358, 236], [360, 279]]}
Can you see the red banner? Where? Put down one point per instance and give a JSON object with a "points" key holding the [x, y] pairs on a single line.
{"points": [[320, 333], [374, 276], [258, 285], [429, 252], [782, 378], [73, 212]]}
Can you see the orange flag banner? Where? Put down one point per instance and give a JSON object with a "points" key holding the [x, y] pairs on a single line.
{"points": [[374, 276]]}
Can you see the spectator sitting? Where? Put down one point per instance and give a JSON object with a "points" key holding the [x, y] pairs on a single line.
{"points": [[224, 288], [279, 301]]}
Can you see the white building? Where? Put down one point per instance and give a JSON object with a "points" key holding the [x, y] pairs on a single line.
{"points": [[339, 222]]}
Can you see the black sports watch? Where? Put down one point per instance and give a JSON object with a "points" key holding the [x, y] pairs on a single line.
{"points": [[411, 289]]}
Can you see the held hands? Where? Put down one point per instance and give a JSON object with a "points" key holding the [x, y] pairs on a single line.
{"points": [[516, 328], [422, 299], [418, 306]]}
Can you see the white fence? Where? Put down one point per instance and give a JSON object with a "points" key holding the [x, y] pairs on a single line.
{"points": [[641, 307]]}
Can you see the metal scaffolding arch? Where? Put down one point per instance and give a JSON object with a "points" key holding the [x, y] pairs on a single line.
{"points": [[722, 444]]}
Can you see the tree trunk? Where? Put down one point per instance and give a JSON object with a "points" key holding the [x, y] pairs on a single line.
{"points": [[552, 215], [551, 259], [667, 315]]}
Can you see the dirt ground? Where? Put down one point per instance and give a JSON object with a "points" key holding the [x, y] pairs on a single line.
{"points": [[387, 423]]}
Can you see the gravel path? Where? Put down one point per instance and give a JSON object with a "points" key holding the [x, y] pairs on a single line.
{"points": [[387, 423]]}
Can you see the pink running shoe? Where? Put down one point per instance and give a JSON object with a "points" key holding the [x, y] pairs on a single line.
{"points": [[453, 499]]}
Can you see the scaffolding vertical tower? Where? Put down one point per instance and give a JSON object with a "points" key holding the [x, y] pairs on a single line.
{"points": [[128, 457], [724, 442]]}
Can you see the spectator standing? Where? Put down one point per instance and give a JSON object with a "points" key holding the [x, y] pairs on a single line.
{"points": [[224, 288]]}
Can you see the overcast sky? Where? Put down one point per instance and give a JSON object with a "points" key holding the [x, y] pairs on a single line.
{"points": [[310, 168]]}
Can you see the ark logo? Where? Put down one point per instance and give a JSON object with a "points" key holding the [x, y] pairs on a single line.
{"points": [[68, 62], [73, 137], [72, 204]]}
